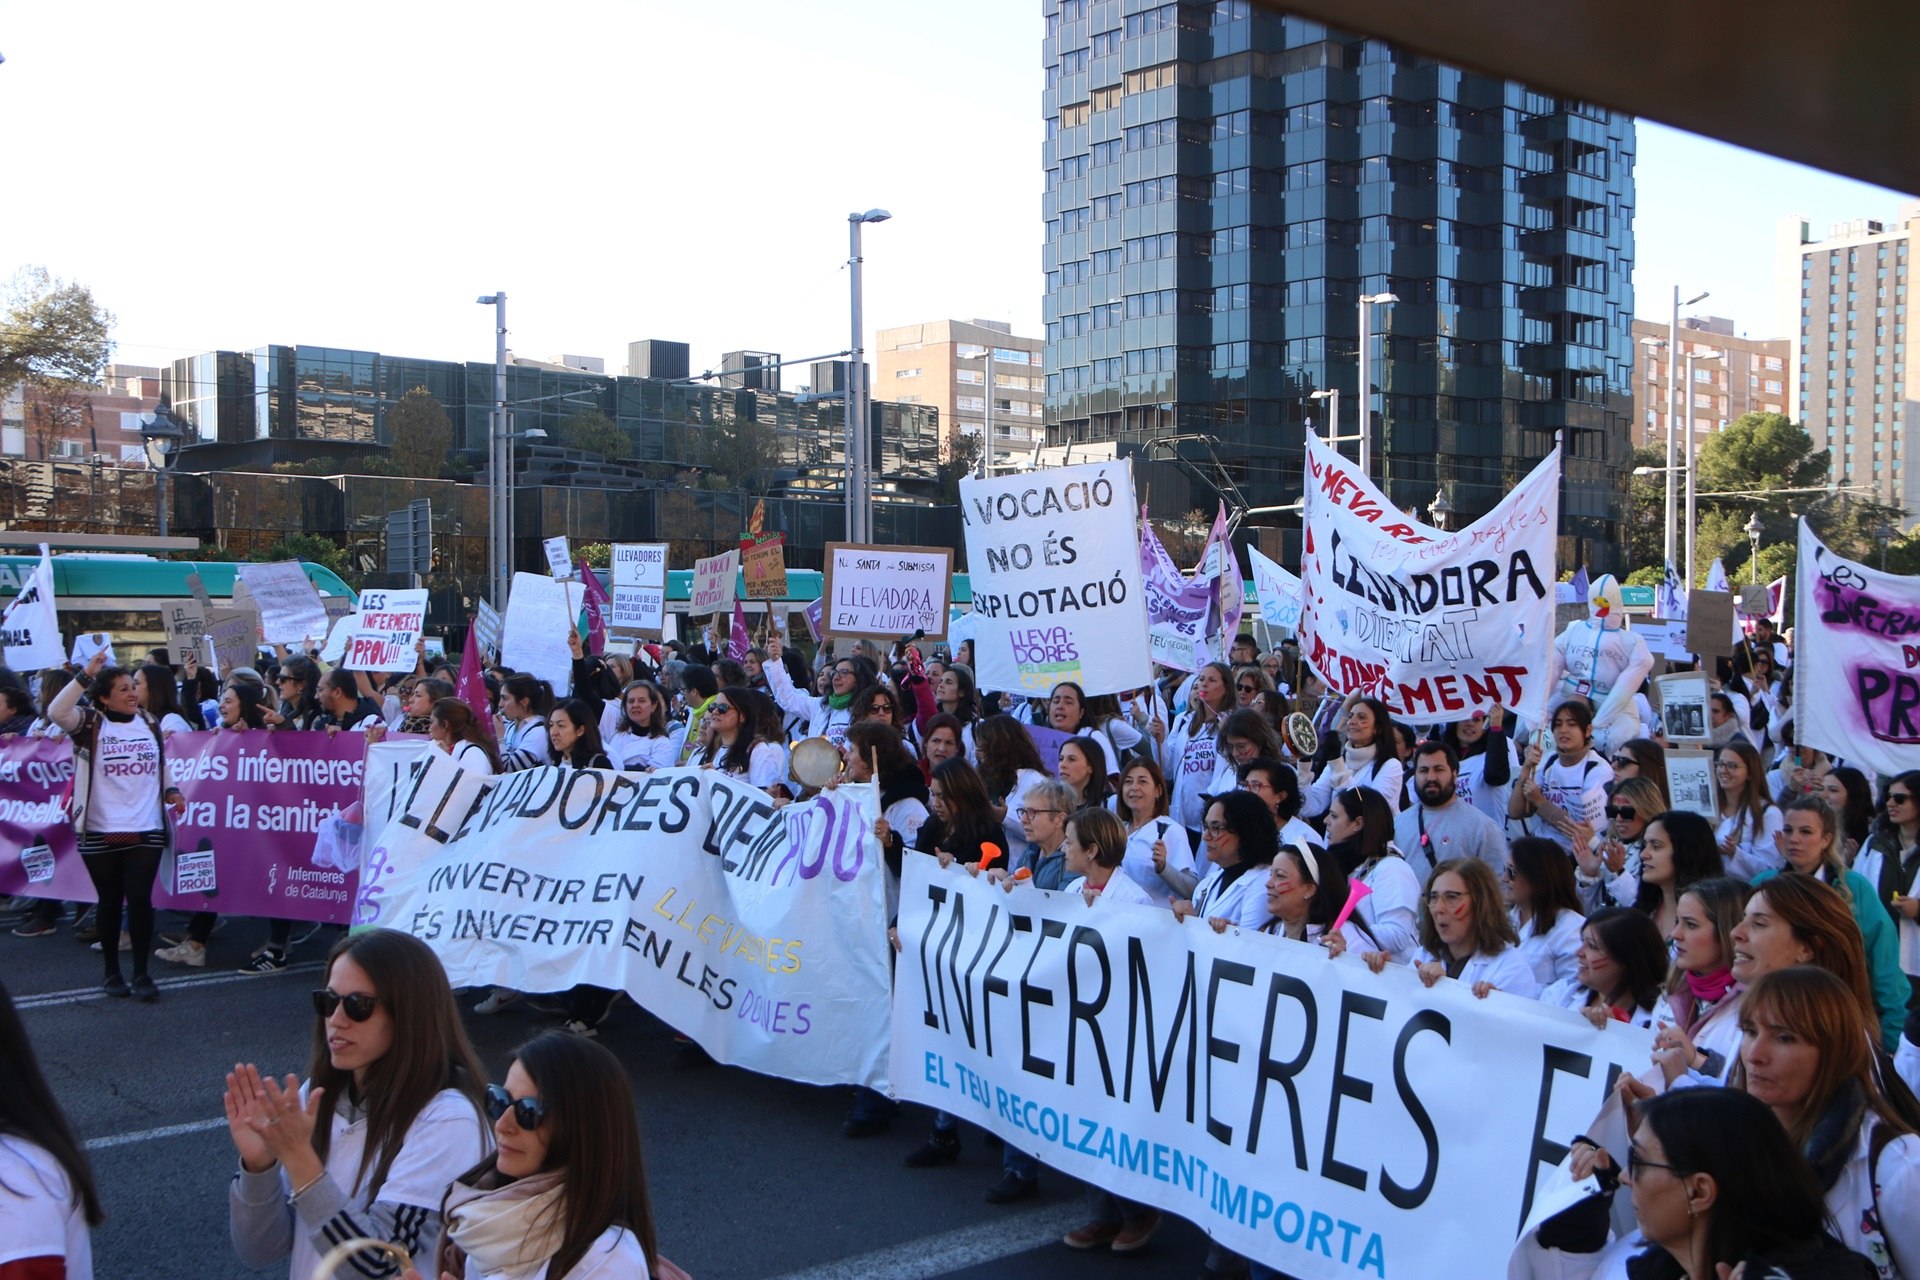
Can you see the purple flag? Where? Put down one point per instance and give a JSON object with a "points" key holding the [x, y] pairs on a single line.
{"points": [[1219, 564], [471, 688], [597, 606], [739, 640]]}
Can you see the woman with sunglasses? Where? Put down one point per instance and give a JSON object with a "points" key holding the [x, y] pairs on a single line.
{"points": [[1891, 861], [740, 740], [1465, 934], [1545, 908], [1249, 683], [564, 1195], [1620, 972], [1642, 758], [1607, 864], [392, 1111], [829, 715], [642, 739]]}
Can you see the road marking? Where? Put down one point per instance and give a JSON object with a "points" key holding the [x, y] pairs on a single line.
{"points": [[154, 1135], [82, 995], [955, 1250]]}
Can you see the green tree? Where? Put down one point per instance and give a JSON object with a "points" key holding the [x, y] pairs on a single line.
{"points": [[1760, 451], [742, 454], [314, 548], [419, 434], [1647, 512], [598, 555], [53, 333], [595, 432]]}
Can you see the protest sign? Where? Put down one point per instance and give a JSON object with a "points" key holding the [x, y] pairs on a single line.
{"points": [[270, 827], [185, 624], [1437, 625], [761, 933], [1856, 670], [1176, 619], [336, 643], [337, 607], [884, 593], [639, 586], [764, 566], [486, 621], [1710, 623], [1227, 591], [559, 558], [540, 614], [1683, 705], [386, 630], [1277, 590], [30, 627], [88, 643], [290, 608], [1055, 564], [1690, 782], [1305, 1112], [198, 589], [815, 616], [234, 638], [713, 584]]}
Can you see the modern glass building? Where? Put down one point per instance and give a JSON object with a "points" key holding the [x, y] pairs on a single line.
{"points": [[1225, 182]]}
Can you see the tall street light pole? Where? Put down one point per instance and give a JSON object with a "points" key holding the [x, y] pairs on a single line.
{"points": [[986, 428], [1366, 385], [1693, 453], [1673, 421], [1652, 345], [499, 490], [859, 433], [163, 438], [1332, 396]]}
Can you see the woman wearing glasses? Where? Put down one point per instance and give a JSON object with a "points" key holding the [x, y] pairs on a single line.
{"points": [[564, 1196], [390, 1114], [827, 717], [1465, 934], [1241, 840], [1891, 861]]}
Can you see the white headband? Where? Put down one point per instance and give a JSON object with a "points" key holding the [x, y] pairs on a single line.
{"points": [[1305, 851]]}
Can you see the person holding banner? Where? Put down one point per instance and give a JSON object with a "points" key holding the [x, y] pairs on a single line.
{"points": [[1042, 853], [1159, 856], [1360, 838], [118, 812], [642, 741], [743, 739], [565, 1193], [1700, 1033], [1620, 973], [525, 703], [1545, 908], [1096, 845], [1558, 795], [827, 717], [1370, 758], [391, 1113], [573, 736], [1465, 934], [1306, 892], [1242, 841], [1068, 713]]}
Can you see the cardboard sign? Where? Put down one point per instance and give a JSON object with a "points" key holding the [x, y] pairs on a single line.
{"points": [[540, 614], [1710, 623], [385, 631], [234, 637], [199, 590], [764, 565], [884, 593], [486, 625], [639, 586], [1690, 782], [185, 623], [713, 584], [1756, 601], [559, 558], [290, 608]]}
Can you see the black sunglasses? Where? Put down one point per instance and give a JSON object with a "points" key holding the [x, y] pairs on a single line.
{"points": [[359, 1006], [528, 1113], [1623, 811]]}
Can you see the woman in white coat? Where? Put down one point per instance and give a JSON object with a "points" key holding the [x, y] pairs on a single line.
{"points": [[1700, 1033], [1620, 973], [1545, 907], [827, 717], [1465, 934], [1369, 759], [1241, 841]]}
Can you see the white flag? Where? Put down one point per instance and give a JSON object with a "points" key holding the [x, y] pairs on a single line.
{"points": [[30, 628]]}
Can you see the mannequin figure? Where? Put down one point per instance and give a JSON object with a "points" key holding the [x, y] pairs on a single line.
{"points": [[1599, 659]]}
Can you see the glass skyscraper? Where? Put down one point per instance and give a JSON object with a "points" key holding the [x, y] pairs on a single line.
{"points": [[1225, 182]]}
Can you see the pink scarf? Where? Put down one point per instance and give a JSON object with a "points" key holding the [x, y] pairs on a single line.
{"points": [[1706, 990]]}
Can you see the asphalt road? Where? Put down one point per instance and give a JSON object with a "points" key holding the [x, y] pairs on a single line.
{"points": [[750, 1177]]}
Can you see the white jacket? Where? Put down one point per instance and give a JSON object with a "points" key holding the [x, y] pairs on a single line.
{"points": [[1554, 954], [1894, 1247], [616, 1255], [1506, 969], [822, 720]]}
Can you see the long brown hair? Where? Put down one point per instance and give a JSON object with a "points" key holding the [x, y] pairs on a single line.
{"points": [[1753, 797], [430, 1050], [1001, 748], [462, 725], [593, 1138], [1822, 921], [1492, 930], [1831, 856], [1817, 1006]]}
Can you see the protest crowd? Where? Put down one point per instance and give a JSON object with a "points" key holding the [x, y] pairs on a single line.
{"points": [[1770, 948]]}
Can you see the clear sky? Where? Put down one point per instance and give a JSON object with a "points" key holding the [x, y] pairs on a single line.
{"points": [[229, 173]]}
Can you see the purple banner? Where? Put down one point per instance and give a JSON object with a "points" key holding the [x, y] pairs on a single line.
{"points": [[271, 825]]}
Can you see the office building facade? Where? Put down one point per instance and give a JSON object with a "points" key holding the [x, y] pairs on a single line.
{"points": [[1732, 375], [1851, 384], [1225, 182], [944, 363]]}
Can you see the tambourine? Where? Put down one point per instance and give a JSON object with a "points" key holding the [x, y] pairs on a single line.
{"points": [[1301, 735], [323, 1270], [814, 762]]}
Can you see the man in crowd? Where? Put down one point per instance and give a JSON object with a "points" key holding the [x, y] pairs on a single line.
{"points": [[345, 707], [1442, 825]]}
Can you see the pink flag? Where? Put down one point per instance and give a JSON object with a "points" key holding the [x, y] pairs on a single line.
{"points": [[1219, 563], [472, 685], [598, 606], [739, 641], [1355, 891]]}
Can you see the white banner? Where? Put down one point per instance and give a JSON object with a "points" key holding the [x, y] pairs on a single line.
{"points": [[759, 932], [1856, 660], [1324, 1119], [639, 586], [381, 636], [714, 584], [559, 558], [1437, 625], [30, 628], [1277, 590], [1055, 562], [290, 608], [486, 621], [533, 635]]}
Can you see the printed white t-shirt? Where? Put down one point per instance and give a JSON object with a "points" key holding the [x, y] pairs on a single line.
{"points": [[126, 778]]}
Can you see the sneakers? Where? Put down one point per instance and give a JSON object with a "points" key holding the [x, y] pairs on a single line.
{"points": [[1013, 1188], [35, 929], [936, 1150], [186, 951], [268, 961], [1092, 1236], [497, 999], [126, 942], [115, 986], [1137, 1234], [143, 990]]}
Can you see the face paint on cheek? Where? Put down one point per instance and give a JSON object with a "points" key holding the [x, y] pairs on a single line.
{"points": [[1462, 911]]}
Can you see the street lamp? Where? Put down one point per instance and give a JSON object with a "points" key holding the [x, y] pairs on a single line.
{"points": [[1652, 345], [1753, 532], [1886, 533], [1332, 396], [1693, 452], [163, 436], [859, 434], [1366, 388], [986, 429], [1673, 422], [1440, 509], [499, 462]]}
